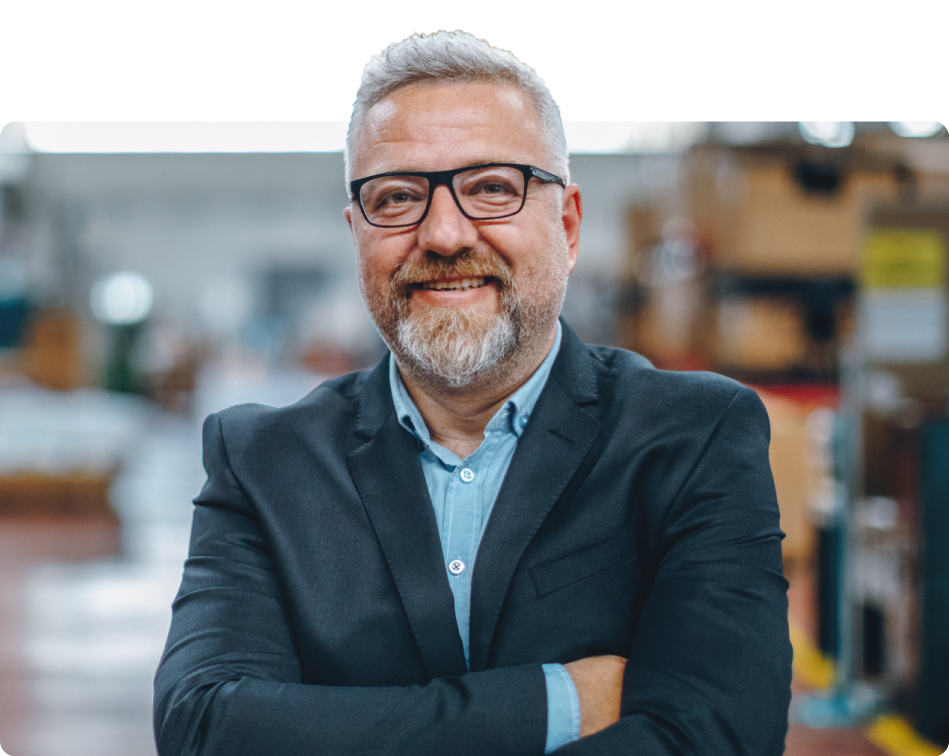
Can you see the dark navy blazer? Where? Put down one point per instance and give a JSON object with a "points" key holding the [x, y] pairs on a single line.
{"points": [[638, 517]]}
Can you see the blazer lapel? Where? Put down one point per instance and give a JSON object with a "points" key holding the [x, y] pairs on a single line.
{"points": [[388, 475], [548, 454]]}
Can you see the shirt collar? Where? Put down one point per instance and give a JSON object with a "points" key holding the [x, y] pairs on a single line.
{"points": [[512, 415]]}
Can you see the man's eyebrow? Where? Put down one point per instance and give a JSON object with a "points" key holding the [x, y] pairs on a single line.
{"points": [[485, 162], [502, 161]]}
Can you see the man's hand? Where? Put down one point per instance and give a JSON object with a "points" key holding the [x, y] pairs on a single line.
{"points": [[599, 683]]}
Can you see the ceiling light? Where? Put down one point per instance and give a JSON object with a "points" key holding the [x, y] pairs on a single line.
{"points": [[827, 133], [121, 298], [915, 128]]}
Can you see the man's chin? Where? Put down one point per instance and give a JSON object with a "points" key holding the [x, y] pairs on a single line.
{"points": [[454, 346]]}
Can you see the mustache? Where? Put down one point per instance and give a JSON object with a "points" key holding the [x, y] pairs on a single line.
{"points": [[422, 269]]}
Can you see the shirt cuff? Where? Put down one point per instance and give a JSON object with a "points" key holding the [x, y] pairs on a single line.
{"points": [[563, 707]]}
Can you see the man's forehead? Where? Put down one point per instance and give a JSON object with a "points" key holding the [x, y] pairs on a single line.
{"points": [[462, 120]]}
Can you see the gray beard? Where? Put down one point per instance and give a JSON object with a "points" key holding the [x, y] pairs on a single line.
{"points": [[453, 349], [450, 348]]}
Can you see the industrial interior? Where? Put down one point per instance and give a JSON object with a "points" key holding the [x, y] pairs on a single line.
{"points": [[143, 287]]}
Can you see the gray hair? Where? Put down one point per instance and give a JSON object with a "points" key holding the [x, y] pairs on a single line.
{"points": [[455, 56]]}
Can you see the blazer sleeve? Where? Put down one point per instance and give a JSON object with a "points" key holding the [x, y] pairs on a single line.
{"points": [[709, 671], [229, 681]]}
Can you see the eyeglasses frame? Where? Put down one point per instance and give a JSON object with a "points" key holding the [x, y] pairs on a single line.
{"points": [[444, 178]]}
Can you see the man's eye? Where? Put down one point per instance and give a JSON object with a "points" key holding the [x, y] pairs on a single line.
{"points": [[394, 198], [498, 188]]}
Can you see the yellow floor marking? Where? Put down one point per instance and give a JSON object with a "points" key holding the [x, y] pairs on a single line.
{"points": [[810, 665], [894, 735], [890, 732]]}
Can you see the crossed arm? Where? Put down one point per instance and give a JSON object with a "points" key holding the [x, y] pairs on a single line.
{"points": [[708, 672], [230, 681]]}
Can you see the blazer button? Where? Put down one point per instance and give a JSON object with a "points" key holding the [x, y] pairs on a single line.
{"points": [[456, 566]]}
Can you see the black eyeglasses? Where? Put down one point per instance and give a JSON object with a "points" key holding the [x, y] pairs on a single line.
{"points": [[482, 192]]}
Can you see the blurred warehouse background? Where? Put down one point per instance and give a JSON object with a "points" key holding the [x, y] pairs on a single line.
{"points": [[153, 273]]}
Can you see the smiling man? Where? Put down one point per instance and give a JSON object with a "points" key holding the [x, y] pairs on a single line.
{"points": [[464, 271], [501, 540]]}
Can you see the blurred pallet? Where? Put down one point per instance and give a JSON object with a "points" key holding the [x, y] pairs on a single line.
{"points": [[74, 495]]}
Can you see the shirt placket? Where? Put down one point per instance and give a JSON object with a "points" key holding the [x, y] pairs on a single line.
{"points": [[458, 544]]}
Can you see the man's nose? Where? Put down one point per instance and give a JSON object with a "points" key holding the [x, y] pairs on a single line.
{"points": [[445, 230]]}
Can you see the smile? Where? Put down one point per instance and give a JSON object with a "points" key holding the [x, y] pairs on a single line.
{"points": [[461, 284]]}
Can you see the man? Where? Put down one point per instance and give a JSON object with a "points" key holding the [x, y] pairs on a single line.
{"points": [[501, 540]]}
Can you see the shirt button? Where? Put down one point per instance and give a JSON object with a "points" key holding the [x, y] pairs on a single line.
{"points": [[523, 421], [456, 566], [467, 475]]}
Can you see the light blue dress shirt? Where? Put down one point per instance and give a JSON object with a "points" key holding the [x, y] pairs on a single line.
{"points": [[463, 492]]}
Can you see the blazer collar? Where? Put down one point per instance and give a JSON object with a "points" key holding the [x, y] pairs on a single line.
{"points": [[374, 400], [576, 368], [388, 475]]}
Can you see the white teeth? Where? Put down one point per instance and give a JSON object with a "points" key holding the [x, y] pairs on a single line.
{"points": [[460, 285]]}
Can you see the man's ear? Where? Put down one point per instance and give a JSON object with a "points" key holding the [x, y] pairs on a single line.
{"points": [[348, 215], [572, 214]]}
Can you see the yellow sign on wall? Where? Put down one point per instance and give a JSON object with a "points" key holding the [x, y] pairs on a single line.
{"points": [[897, 258]]}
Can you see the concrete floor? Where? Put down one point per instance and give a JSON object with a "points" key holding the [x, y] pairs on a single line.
{"points": [[84, 610]]}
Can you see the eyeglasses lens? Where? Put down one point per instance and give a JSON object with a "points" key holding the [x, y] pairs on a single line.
{"points": [[482, 193]]}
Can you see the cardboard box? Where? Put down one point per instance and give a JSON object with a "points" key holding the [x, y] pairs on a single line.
{"points": [[760, 334], [759, 219], [52, 355]]}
